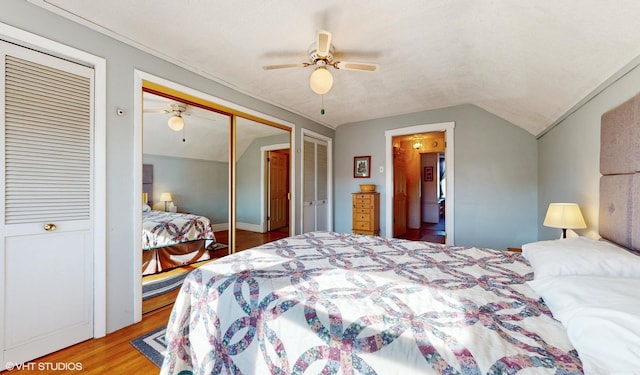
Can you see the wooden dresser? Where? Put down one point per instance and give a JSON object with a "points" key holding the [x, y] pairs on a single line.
{"points": [[366, 213]]}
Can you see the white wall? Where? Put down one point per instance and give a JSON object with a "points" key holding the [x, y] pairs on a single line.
{"points": [[495, 174], [569, 156], [121, 62]]}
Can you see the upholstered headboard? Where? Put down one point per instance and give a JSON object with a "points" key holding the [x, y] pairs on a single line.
{"points": [[147, 182], [620, 169]]}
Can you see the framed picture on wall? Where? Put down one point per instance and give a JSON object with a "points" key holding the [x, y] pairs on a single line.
{"points": [[428, 173], [361, 166]]}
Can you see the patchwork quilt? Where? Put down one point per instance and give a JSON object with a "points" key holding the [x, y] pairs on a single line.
{"points": [[160, 228], [332, 303]]}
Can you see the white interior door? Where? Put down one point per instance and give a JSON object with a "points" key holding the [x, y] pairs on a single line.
{"points": [[46, 244], [315, 206]]}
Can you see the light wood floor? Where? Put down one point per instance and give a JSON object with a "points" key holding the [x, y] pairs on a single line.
{"points": [[427, 232], [246, 239], [114, 354]]}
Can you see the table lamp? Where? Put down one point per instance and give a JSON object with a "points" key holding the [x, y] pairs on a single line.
{"points": [[564, 216], [165, 197]]}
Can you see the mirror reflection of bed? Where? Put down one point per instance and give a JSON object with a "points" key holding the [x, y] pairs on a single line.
{"points": [[186, 191]]}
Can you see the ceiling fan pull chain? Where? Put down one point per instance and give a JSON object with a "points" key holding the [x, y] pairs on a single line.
{"points": [[183, 137], [322, 104]]}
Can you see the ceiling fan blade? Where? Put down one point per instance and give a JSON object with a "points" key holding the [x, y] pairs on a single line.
{"points": [[347, 65], [150, 110], [282, 66], [323, 44]]}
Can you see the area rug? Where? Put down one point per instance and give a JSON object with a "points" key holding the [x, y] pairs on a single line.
{"points": [[152, 345], [157, 287], [164, 282]]}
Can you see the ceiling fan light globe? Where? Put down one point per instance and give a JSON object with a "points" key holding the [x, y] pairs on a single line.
{"points": [[321, 81], [176, 123]]}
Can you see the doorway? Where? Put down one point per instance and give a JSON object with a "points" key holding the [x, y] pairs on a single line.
{"points": [[405, 146], [419, 201]]}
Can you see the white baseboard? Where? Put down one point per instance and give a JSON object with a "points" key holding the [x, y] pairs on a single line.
{"points": [[244, 226], [220, 227], [250, 227]]}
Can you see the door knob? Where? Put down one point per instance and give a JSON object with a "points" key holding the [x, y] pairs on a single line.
{"points": [[49, 227]]}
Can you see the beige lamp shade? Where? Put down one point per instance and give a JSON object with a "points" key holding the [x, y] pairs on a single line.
{"points": [[166, 197], [321, 81], [565, 216]]}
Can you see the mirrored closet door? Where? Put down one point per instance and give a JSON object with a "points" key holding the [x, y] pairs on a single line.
{"points": [[204, 159]]}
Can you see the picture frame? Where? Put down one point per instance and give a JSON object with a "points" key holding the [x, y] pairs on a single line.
{"points": [[428, 173], [361, 166]]}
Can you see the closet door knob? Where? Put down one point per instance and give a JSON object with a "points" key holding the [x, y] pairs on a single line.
{"points": [[49, 227]]}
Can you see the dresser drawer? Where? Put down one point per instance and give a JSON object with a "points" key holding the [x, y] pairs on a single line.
{"points": [[364, 199], [360, 206], [362, 217], [362, 225], [358, 211]]}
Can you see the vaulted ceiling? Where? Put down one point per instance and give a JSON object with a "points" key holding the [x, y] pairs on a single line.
{"points": [[529, 62]]}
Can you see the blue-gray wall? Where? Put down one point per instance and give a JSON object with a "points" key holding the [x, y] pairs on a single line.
{"points": [[248, 182], [495, 174], [199, 187]]}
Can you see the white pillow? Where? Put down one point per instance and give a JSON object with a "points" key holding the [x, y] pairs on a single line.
{"points": [[580, 256], [602, 317], [564, 295], [146, 208]]}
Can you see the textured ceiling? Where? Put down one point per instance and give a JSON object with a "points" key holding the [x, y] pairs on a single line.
{"points": [[528, 62]]}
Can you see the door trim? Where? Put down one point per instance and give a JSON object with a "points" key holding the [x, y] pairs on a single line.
{"points": [[446, 127], [312, 134], [99, 66]]}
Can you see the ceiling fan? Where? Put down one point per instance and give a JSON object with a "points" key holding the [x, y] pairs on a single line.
{"points": [[321, 56], [175, 122]]}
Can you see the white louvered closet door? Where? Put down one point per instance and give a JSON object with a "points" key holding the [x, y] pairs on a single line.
{"points": [[47, 247], [315, 185]]}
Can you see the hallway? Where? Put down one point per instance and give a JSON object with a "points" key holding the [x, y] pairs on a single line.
{"points": [[431, 232]]}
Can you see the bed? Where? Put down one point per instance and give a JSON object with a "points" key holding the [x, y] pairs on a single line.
{"points": [[335, 303], [170, 240], [343, 303]]}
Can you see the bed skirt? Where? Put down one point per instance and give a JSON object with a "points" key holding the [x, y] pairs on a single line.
{"points": [[165, 258]]}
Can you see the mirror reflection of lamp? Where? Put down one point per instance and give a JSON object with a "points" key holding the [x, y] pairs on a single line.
{"points": [[165, 197], [176, 122], [564, 216]]}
